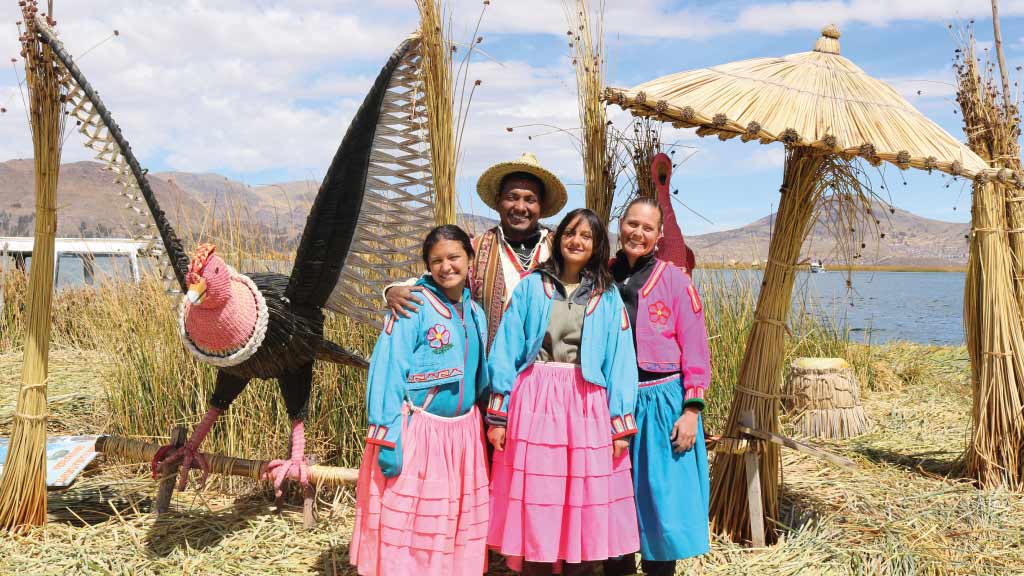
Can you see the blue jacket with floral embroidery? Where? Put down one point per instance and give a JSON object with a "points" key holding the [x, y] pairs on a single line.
{"points": [[607, 356], [418, 356]]}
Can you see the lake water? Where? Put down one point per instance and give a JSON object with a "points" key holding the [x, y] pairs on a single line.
{"points": [[924, 307]]}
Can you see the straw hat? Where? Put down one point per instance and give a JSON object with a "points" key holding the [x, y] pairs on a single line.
{"points": [[552, 200]]}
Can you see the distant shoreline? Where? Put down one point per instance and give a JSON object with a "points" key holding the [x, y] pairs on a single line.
{"points": [[841, 268]]}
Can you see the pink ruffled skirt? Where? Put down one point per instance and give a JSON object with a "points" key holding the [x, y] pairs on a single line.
{"points": [[556, 494], [432, 518]]}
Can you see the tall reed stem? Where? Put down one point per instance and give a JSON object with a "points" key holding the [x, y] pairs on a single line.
{"points": [[23, 485]]}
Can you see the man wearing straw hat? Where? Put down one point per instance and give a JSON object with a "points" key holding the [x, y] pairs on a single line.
{"points": [[521, 192]]}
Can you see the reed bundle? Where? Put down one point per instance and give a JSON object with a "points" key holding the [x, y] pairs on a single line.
{"points": [[809, 174], [23, 485], [586, 43], [444, 84], [436, 70], [992, 316]]}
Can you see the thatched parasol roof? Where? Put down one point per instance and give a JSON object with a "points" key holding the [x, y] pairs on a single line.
{"points": [[817, 99]]}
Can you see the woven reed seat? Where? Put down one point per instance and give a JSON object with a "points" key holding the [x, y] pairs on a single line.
{"points": [[823, 397]]}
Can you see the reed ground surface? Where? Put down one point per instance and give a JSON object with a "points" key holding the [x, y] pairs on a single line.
{"points": [[900, 512], [117, 366]]}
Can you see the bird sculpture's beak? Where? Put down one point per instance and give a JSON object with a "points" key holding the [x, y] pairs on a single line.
{"points": [[196, 292]]}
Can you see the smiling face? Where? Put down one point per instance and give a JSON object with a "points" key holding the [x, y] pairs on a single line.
{"points": [[577, 244], [639, 230], [448, 263], [519, 206]]}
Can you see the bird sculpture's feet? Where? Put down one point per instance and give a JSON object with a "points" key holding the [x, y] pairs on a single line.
{"points": [[296, 467], [189, 453], [293, 469], [189, 457]]}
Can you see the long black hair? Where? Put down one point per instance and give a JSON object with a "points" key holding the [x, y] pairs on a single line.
{"points": [[446, 232], [597, 266]]}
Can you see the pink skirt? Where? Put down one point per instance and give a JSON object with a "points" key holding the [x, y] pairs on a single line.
{"points": [[556, 494], [432, 518]]}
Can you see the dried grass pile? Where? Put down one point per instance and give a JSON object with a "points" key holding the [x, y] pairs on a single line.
{"points": [[992, 316]]}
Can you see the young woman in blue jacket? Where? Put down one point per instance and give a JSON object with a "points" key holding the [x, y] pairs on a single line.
{"points": [[422, 498], [563, 385]]}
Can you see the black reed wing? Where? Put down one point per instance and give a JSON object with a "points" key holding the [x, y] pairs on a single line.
{"points": [[104, 136], [345, 253]]}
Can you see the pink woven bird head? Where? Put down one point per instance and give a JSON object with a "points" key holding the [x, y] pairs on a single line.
{"points": [[208, 278]]}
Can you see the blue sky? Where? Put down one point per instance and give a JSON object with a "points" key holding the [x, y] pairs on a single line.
{"points": [[262, 91]]}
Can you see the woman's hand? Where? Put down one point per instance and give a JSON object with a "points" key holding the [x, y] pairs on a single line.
{"points": [[684, 432], [496, 436], [618, 447]]}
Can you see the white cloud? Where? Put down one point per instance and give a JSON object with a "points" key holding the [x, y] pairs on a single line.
{"points": [[765, 158], [779, 18]]}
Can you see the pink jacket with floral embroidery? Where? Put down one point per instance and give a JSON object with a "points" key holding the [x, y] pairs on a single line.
{"points": [[670, 332]]}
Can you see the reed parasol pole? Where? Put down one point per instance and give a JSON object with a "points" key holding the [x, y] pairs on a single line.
{"points": [[23, 485]]}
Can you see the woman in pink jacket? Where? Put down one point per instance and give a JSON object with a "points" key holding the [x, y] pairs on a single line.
{"points": [[670, 464]]}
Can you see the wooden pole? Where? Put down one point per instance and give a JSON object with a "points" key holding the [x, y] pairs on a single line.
{"points": [[998, 37], [138, 451], [752, 466], [169, 473]]}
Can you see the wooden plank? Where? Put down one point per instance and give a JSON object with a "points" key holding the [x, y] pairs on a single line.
{"points": [[309, 499], [752, 460], [169, 474], [752, 466], [829, 457]]}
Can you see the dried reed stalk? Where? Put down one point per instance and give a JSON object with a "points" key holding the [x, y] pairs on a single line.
{"points": [[646, 144], [438, 88], [444, 85], [23, 485], [809, 174], [586, 42], [992, 316]]}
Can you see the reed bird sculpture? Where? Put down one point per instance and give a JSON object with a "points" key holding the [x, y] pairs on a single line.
{"points": [[373, 208]]}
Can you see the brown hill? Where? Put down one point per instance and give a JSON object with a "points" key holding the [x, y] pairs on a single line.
{"points": [[89, 204], [909, 240]]}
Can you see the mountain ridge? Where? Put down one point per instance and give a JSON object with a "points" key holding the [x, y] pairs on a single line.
{"points": [[90, 205]]}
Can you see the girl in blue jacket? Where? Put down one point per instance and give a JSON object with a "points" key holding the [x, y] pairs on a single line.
{"points": [[563, 385], [422, 498]]}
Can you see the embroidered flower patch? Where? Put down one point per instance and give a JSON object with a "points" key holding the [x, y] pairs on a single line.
{"points": [[439, 338], [659, 313]]}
